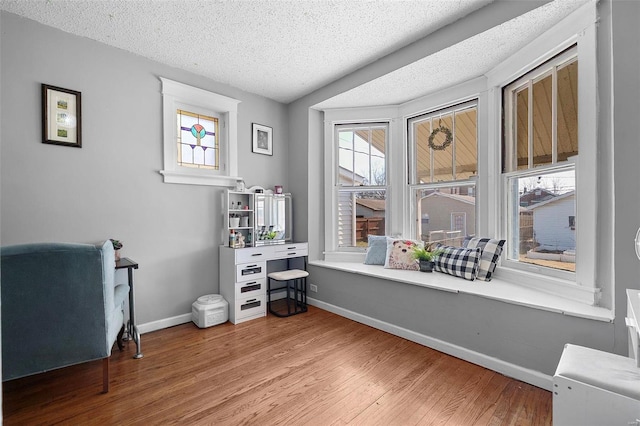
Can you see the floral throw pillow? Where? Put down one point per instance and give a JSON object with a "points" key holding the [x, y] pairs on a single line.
{"points": [[400, 254]]}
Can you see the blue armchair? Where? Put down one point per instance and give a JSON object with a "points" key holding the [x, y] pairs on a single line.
{"points": [[60, 306]]}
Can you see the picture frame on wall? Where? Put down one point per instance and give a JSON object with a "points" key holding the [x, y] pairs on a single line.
{"points": [[262, 139], [61, 116]]}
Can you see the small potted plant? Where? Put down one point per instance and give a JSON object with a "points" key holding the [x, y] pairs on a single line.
{"points": [[425, 256], [117, 245]]}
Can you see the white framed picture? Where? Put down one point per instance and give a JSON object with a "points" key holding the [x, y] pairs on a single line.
{"points": [[262, 139]]}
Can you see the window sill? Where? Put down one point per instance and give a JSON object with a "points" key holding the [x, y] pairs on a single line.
{"points": [[198, 179], [496, 289]]}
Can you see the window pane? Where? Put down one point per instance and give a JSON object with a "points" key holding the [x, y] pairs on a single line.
{"points": [[445, 144], [466, 144], [378, 169], [542, 219], [442, 158], [542, 119], [345, 158], [361, 156], [446, 215], [360, 214], [568, 111], [421, 131], [522, 129]]}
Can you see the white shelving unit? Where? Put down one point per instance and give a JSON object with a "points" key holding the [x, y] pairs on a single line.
{"points": [[238, 215]]}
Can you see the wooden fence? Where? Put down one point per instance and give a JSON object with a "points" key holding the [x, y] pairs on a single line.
{"points": [[368, 226]]}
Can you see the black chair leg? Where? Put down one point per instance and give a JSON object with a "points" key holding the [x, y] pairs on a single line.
{"points": [[119, 339]]}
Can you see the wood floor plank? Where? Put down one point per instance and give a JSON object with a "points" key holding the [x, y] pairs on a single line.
{"points": [[316, 368]]}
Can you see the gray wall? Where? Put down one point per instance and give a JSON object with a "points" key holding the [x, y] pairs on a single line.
{"points": [[626, 133], [526, 337], [111, 188]]}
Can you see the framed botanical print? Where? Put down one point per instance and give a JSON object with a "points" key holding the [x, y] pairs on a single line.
{"points": [[61, 116]]}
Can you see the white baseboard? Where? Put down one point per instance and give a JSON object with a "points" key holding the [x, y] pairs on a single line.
{"points": [[164, 323], [526, 375]]}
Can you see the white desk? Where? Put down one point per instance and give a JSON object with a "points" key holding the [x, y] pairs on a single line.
{"points": [[243, 276]]}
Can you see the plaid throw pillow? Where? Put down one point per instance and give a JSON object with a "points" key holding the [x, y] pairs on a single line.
{"points": [[456, 261], [491, 251]]}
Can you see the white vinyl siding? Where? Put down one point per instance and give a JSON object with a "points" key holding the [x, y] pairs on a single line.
{"points": [[551, 223]]}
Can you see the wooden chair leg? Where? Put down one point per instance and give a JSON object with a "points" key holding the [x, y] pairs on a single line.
{"points": [[105, 375]]}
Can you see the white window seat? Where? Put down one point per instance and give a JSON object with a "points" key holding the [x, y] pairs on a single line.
{"points": [[496, 289]]}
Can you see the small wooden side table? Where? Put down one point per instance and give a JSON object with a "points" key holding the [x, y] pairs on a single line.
{"points": [[132, 329]]}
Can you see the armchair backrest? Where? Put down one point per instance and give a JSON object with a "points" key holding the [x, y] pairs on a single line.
{"points": [[54, 297]]}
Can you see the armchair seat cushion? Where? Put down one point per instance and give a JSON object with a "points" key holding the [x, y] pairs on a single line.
{"points": [[120, 294]]}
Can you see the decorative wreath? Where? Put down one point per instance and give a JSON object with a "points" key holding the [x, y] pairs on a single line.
{"points": [[447, 141]]}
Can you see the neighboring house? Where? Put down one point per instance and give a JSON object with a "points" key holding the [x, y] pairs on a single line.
{"points": [[445, 216], [347, 177], [534, 196], [370, 207], [554, 222]]}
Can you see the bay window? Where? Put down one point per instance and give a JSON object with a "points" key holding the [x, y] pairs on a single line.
{"points": [[510, 155]]}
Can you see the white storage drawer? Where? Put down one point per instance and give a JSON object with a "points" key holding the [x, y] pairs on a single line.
{"points": [[251, 288], [250, 308], [252, 254], [291, 250], [251, 271]]}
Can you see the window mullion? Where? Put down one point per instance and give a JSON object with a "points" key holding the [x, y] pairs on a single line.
{"points": [[370, 137], [353, 157], [431, 161], [529, 126], [453, 145], [554, 115]]}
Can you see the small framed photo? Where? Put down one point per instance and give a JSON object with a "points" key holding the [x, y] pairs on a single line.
{"points": [[61, 116], [262, 139]]}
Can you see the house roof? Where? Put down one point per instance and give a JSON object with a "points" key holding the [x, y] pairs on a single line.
{"points": [[551, 200], [463, 198], [372, 203]]}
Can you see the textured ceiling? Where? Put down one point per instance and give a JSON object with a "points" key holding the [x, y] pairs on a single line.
{"points": [[279, 49], [461, 62]]}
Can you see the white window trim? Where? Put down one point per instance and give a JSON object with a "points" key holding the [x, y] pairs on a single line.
{"points": [[176, 96], [578, 28], [393, 222], [473, 90], [443, 105]]}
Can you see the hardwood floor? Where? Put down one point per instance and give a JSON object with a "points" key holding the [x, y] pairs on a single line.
{"points": [[316, 368]]}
